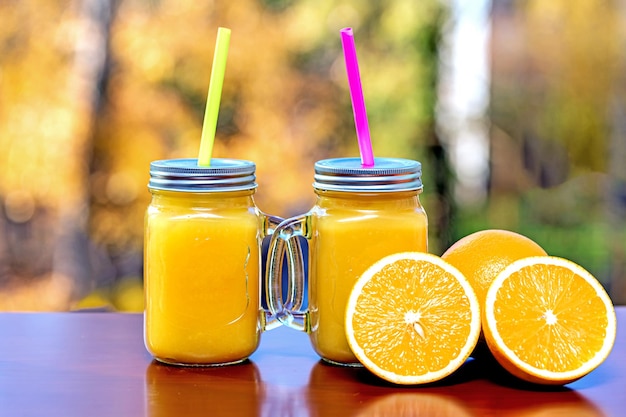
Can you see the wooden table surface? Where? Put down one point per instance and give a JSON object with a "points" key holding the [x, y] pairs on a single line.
{"points": [[95, 364]]}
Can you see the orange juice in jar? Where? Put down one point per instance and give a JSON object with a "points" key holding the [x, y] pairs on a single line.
{"points": [[202, 262], [361, 215]]}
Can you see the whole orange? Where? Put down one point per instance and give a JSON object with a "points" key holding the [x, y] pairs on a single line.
{"points": [[482, 255]]}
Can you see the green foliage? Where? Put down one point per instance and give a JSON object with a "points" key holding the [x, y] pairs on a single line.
{"points": [[70, 154]]}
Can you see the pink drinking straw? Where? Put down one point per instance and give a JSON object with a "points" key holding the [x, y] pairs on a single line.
{"points": [[356, 95]]}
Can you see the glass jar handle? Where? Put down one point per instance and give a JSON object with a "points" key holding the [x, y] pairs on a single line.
{"points": [[287, 310], [269, 320]]}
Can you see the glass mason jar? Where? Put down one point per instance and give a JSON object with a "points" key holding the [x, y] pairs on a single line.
{"points": [[361, 215], [202, 262]]}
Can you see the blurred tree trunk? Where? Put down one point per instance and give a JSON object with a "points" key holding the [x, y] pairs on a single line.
{"points": [[89, 75], [55, 58], [616, 198]]}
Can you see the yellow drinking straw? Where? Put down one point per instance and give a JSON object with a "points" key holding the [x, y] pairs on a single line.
{"points": [[213, 99]]}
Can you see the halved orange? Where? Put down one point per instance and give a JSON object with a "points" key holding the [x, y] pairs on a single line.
{"points": [[412, 318], [549, 321]]}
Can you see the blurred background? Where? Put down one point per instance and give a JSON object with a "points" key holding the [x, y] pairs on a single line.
{"points": [[516, 109]]}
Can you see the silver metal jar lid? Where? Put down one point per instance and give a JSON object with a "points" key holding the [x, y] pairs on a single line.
{"points": [[185, 175], [387, 174]]}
